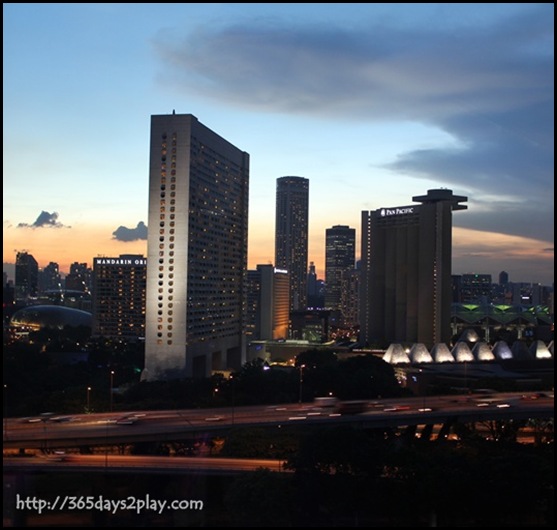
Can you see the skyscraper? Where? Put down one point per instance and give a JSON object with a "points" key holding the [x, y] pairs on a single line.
{"points": [[291, 235], [197, 250], [340, 257], [406, 271], [268, 313], [49, 278], [80, 277], [26, 276], [119, 297]]}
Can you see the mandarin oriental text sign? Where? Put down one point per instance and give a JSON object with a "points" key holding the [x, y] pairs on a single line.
{"points": [[121, 261]]}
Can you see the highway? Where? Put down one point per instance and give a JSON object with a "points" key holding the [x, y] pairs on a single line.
{"points": [[139, 463], [49, 432]]}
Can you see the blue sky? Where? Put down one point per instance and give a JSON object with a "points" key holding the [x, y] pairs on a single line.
{"points": [[373, 103]]}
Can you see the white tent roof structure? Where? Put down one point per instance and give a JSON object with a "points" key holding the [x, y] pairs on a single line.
{"points": [[501, 350], [482, 352], [396, 354], [461, 352], [441, 353], [420, 354], [539, 350]]}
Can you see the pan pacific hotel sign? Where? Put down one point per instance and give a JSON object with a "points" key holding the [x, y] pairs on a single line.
{"points": [[399, 210]]}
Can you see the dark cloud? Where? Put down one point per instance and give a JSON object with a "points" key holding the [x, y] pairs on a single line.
{"points": [[490, 87], [44, 219], [379, 72], [131, 234]]}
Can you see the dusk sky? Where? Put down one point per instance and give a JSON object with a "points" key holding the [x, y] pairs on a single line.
{"points": [[373, 103]]}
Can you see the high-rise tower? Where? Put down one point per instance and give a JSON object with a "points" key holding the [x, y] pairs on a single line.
{"points": [[340, 257], [26, 276], [291, 235], [197, 250], [406, 271], [119, 297], [268, 313]]}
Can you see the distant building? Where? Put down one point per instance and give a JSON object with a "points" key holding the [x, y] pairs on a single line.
{"points": [[311, 325], [349, 298], [291, 235], [406, 271], [79, 278], [316, 289], [119, 288], [58, 319], [50, 279], [475, 288], [197, 250], [268, 314], [26, 277], [8, 296], [340, 257]]}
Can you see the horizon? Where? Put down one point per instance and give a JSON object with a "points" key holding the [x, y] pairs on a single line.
{"points": [[9, 269]]}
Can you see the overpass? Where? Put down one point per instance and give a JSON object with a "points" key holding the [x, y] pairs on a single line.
{"points": [[51, 433]]}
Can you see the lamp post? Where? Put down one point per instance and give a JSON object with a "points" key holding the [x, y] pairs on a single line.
{"points": [[423, 383], [302, 366], [232, 385], [111, 387], [6, 412], [88, 399]]}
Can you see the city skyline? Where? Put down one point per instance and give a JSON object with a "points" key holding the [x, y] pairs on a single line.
{"points": [[372, 103]]}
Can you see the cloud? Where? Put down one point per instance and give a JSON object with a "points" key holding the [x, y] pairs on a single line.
{"points": [[377, 72], [131, 234], [44, 219], [489, 86]]}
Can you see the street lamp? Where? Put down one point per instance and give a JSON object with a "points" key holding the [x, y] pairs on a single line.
{"points": [[422, 387], [88, 399], [111, 387], [232, 385], [6, 411], [302, 366]]}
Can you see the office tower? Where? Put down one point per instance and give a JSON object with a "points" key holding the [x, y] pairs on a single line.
{"points": [[340, 257], [50, 279], [26, 276], [406, 271], [503, 278], [197, 250], [79, 278], [119, 286], [475, 288], [349, 298], [268, 314], [291, 235]]}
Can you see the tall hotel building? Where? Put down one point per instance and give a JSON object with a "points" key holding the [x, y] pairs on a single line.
{"points": [[119, 297], [406, 271], [291, 235], [197, 250], [268, 311]]}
